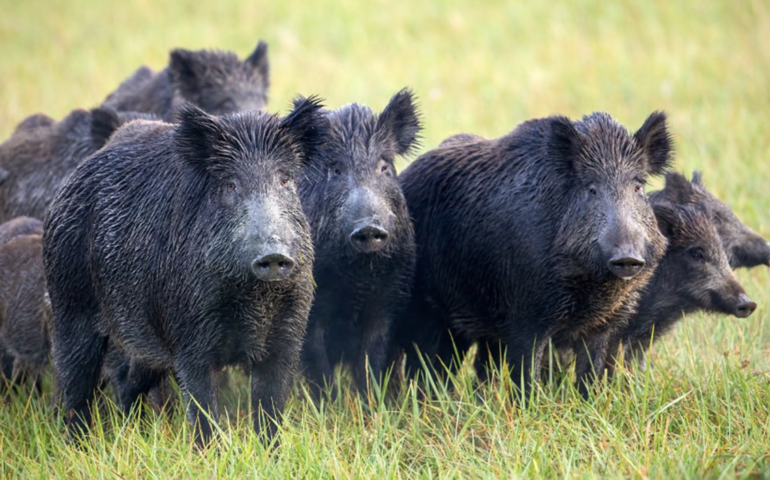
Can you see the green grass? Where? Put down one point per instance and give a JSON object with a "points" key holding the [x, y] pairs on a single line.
{"points": [[479, 67]]}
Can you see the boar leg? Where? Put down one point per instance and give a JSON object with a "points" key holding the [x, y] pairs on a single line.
{"points": [[139, 381], [489, 358], [197, 385], [590, 360], [78, 356], [6, 363], [373, 353], [270, 387], [525, 358], [636, 355], [318, 368]]}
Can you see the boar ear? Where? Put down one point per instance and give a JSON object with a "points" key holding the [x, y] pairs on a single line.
{"points": [[402, 120], [697, 178], [259, 61], [678, 189], [667, 217], [104, 121], [655, 140], [307, 125], [187, 68], [565, 142], [199, 136]]}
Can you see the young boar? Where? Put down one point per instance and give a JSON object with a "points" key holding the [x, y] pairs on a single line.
{"points": [[186, 246], [23, 334], [216, 81], [543, 234], [693, 276], [744, 247], [363, 238], [8, 231]]}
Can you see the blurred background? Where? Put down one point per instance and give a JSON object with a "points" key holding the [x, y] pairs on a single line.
{"points": [[480, 67]]}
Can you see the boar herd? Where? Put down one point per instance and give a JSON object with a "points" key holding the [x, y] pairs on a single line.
{"points": [[185, 230]]}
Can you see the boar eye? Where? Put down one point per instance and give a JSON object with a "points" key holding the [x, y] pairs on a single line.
{"points": [[232, 186], [638, 188], [697, 254], [284, 180], [592, 190]]}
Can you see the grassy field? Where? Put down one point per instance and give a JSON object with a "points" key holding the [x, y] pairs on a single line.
{"points": [[481, 67]]}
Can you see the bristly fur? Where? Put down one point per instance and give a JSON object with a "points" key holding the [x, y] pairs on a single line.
{"points": [[215, 81], [104, 122], [39, 160], [214, 141]]}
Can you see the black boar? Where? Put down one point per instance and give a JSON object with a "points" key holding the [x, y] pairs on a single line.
{"points": [[543, 234], [23, 333], [38, 161], [745, 248], [216, 81], [363, 238], [187, 247], [694, 275]]}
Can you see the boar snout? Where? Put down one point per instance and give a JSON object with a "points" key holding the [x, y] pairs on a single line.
{"points": [[624, 244], [273, 267], [369, 238], [744, 307], [626, 265]]}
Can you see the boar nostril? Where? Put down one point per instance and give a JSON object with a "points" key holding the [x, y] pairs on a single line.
{"points": [[370, 238], [745, 307], [625, 266], [273, 267]]}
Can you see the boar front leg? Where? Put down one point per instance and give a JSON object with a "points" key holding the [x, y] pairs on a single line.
{"points": [[590, 360], [197, 385], [271, 381]]}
